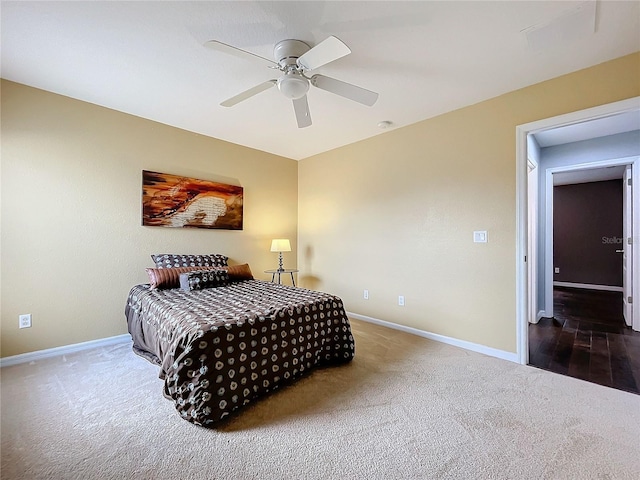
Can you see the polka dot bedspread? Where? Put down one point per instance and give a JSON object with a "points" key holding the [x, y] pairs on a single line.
{"points": [[221, 348]]}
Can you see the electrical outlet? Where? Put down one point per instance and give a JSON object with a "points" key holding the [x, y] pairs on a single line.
{"points": [[401, 300], [556, 270], [24, 321], [366, 294]]}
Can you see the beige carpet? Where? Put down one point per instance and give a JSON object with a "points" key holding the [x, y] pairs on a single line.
{"points": [[405, 408]]}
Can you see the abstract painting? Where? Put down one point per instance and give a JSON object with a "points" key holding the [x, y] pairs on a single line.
{"points": [[175, 201]]}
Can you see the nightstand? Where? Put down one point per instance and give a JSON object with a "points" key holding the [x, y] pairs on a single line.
{"points": [[275, 274]]}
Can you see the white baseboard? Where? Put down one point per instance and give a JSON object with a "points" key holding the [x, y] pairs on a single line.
{"points": [[474, 347], [539, 315], [54, 352], [588, 286], [125, 338]]}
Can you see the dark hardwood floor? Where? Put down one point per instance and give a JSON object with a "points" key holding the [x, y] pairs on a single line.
{"points": [[587, 339]]}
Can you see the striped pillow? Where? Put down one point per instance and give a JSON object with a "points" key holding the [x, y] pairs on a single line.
{"points": [[239, 272]]}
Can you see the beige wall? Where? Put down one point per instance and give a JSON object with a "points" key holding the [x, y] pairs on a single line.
{"points": [[395, 214], [71, 235]]}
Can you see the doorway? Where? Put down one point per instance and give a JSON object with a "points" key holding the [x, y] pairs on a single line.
{"points": [[529, 297], [587, 337], [595, 171]]}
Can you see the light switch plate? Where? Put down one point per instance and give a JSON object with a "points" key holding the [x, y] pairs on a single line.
{"points": [[480, 236]]}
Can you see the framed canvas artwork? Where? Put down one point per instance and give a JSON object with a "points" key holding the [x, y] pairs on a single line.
{"points": [[175, 201]]}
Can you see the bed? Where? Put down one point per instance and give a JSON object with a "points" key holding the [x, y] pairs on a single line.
{"points": [[222, 347]]}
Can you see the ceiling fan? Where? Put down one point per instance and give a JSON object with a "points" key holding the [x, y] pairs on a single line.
{"points": [[294, 58]]}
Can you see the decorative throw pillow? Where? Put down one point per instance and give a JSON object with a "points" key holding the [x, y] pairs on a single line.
{"points": [[239, 272], [170, 277], [171, 260], [199, 279]]}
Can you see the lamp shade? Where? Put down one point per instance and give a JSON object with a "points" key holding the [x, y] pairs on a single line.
{"points": [[280, 245], [293, 85]]}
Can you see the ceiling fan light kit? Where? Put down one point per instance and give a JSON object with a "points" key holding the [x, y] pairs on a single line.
{"points": [[293, 85], [294, 58]]}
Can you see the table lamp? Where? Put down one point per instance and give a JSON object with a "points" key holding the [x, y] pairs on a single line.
{"points": [[280, 245]]}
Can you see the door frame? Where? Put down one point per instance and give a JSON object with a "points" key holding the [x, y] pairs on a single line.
{"points": [[548, 259], [522, 295], [628, 214], [533, 312]]}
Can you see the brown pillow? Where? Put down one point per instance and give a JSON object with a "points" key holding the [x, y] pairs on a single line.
{"points": [[170, 277], [239, 272]]}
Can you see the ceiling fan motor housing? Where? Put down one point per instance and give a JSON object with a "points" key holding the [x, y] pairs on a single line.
{"points": [[287, 52]]}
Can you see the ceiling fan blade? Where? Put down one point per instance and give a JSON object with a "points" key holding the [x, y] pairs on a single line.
{"points": [[237, 52], [248, 93], [344, 89], [325, 52], [301, 107]]}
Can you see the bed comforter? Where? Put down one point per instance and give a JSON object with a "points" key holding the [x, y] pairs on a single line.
{"points": [[221, 348]]}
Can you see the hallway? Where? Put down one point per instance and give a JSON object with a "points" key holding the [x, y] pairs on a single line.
{"points": [[587, 339]]}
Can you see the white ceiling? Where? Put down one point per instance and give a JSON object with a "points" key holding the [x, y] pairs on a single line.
{"points": [[423, 58]]}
